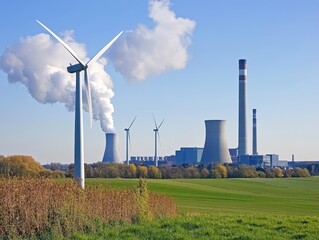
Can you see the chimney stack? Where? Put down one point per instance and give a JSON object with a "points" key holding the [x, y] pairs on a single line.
{"points": [[111, 153], [255, 132], [242, 133]]}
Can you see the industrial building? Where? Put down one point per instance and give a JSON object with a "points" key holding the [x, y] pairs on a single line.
{"points": [[149, 160], [188, 155]]}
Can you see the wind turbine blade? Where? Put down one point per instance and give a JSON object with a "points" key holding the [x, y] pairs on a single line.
{"points": [[155, 122], [132, 123], [160, 124], [67, 47], [88, 94], [100, 53]]}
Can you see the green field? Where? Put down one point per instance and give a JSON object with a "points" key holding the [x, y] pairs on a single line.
{"points": [[234, 209], [276, 196]]}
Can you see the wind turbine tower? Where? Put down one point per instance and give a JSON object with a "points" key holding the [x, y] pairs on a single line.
{"points": [[77, 68], [127, 130], [156, 135]]}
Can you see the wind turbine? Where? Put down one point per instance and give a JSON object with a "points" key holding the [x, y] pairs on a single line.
{"points": [[77, 68], [156, 134], [127, 130]]}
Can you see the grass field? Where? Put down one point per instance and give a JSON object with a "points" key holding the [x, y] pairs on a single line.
{"points": [[236, 209], [210, 227], [278, 196]]}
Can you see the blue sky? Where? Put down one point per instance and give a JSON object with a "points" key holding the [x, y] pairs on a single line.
{"points": [[279, 39]]}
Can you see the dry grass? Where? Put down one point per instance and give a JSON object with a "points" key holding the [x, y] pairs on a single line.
{"points": [[31, 207]]}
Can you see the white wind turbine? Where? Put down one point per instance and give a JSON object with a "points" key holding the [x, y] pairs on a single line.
{"points": [[77, 68], [156, 134], [127, 130]]}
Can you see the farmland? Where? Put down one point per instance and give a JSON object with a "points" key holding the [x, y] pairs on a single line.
{"points": [[284, 196], [286, 208]]}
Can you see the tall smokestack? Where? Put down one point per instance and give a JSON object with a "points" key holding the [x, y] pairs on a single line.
{"points": [[255, 132], [242, 134], [216, 148], [111, 153]]}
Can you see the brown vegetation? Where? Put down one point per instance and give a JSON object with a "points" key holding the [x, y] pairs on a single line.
{"points": [[29, 207]]}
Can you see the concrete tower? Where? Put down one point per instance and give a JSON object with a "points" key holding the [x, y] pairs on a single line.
{"points": [[111, 153], [242, 133], [215, 148], [255, 132]]}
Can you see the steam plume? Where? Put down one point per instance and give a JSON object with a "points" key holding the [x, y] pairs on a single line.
{"points": [[146, 52], [40, 63]]}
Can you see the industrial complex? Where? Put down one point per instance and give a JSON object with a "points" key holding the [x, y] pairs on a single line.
{"points": [[215, 149]]}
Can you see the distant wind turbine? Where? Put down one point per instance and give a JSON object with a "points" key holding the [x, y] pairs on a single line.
{"points": [[127, 130], [156, 135], [77, 68]]}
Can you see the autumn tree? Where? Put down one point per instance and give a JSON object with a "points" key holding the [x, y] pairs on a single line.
{"points": [[300, 172], [222, 170], [154, 172], [20, 166], [130, 171], [141, 172], [278, 173]]}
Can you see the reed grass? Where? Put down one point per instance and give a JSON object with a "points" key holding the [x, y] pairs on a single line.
{"points": [[31, 208]]}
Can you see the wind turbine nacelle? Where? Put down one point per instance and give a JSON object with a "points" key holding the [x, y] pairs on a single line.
{"points": [[76, 68]]}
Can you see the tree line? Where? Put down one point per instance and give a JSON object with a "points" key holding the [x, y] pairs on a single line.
{"points": [[26, 166], [107, 170]]}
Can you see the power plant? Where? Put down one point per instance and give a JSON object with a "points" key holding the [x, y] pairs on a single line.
{"points": [[242, 131], [111, 151], [215, 148]]}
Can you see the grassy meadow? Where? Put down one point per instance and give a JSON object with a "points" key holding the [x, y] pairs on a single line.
{"points": [[245, 196], [236, 209]]}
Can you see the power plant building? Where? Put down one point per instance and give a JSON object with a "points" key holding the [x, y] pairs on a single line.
{"points": [[188, 155]]}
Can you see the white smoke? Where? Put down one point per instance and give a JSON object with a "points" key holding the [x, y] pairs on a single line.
{"points": [[40, 64], [146, 52]]}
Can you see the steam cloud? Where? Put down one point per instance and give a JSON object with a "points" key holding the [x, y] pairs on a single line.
{"points": [[147, 52], [39, 62]]}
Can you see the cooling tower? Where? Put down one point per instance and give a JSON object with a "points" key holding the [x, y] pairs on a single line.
{"points": [[215, 148], [111, 153], [242, 133], [255, 132]]}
